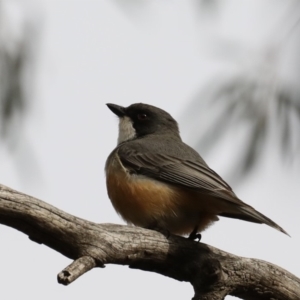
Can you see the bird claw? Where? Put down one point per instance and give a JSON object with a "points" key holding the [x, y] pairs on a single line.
{"points": [[194, 236]]}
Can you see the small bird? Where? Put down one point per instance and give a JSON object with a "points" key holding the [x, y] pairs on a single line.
{"points": [[155, 180]]}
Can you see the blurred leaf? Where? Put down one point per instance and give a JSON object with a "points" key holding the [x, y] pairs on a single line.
{"points": [[256, 97], [256, 141], [288, 105], [249, 100], [15, 70]]}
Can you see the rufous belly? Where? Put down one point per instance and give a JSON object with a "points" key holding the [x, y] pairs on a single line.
{"points": [[146, 202]]}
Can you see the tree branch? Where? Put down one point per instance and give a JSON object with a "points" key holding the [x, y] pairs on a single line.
{"points": [[212, 272]]}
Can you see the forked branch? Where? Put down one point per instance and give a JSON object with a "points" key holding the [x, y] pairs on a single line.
{"points": [[212, 272]]}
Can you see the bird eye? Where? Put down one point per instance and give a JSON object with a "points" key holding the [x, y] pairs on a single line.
{"points": [[142, 116]]}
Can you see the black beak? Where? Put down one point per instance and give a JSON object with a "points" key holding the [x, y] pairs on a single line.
{"points": [[116, 109]]}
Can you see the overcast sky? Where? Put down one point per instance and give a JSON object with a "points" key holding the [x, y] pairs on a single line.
{"points": [[94, 52]]}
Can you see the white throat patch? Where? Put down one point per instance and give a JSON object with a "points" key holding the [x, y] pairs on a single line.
{"points": [[126, 130]]}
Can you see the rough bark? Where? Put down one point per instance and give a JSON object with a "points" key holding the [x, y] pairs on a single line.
{"points": [[213, 273]]}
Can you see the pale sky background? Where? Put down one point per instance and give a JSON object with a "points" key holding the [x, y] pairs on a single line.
{"points": [[157, 52]]}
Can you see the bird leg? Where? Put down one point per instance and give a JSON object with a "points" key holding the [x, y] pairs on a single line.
{"points": [[194, 235]]}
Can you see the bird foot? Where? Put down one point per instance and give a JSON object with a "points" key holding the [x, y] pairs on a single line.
{"points": [[194, 236]]}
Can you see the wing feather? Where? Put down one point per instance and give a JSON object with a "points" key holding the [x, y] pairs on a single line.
{"points": [[186, 173], [190, 174]]}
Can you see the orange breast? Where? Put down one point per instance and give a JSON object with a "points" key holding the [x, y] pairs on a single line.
{"points": [[139, 200], [146, 202]]}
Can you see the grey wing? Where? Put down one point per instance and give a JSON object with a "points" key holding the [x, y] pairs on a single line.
{"points": [[194, 175], [189, 174]]}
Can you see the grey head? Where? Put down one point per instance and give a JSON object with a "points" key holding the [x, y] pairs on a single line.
{"points": [[140, 120]]}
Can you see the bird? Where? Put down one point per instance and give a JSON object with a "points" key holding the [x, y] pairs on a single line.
{"points": [[156, 181]]}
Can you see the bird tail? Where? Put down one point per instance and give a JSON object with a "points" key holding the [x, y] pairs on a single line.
{"points": [[248, 213]]}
